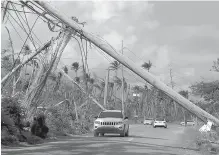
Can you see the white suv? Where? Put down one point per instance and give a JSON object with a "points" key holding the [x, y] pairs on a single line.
{"points": [[111, 121]]}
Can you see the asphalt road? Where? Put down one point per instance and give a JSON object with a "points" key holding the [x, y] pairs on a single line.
{"points": [[143, 140]]}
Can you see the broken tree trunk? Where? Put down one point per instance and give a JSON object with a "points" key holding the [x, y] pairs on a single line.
{"points": [[59, 55], [129, 64], [76, 109], [46, 64]]}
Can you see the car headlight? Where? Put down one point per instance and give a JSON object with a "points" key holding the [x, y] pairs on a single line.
{"points": [[97, 122]]}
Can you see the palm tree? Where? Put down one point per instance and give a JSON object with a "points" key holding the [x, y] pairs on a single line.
{"points": [[146, 65], [75, 67], [118, 83], [65, 68], [115, 65]]}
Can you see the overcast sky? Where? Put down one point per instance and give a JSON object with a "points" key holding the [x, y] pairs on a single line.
{"points": [[183, 35]]}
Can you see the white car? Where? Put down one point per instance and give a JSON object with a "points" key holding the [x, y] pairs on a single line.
{"points": [[111, 121], [189, 123], [160, 122], [148, 121]]}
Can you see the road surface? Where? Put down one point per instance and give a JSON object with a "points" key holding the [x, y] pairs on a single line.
{"points": [[144, 140]]}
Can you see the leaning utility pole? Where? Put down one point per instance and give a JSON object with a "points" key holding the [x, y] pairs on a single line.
{"points": [[123, 107], [106, 89], [129, 64]]}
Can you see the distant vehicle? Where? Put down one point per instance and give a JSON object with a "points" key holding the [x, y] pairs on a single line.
{"points": [[189, 123], [111, 121], [160, 122], [148, 121]]}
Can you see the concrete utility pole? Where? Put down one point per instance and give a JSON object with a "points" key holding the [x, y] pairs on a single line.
{"points": [[129, 64], [123, 107], [106, 88]]}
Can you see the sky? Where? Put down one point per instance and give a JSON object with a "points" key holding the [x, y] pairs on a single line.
{"points": [[183, 36]]}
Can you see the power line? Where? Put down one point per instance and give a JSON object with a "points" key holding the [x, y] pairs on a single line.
{"points": [[26, 22], [17, 10], [21, 26], [15, 30]]}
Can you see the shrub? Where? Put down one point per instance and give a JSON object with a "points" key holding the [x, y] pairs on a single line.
{"points": [[12, 112], [6, 138], [39, 127], [12, 124]]}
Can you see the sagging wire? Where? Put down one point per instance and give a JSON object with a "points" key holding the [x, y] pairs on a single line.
{"points": [[5, 10], [81, 51], [43, 16], [17, 10], [25, 41], [35, 11], [19, 25], [31, 38], [29, 29], [15, 30], [21, 50], [90, 44]]}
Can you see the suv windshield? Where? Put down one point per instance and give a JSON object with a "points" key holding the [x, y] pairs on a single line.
{"points": [[149, 119], [160, 119], [110, 114]]}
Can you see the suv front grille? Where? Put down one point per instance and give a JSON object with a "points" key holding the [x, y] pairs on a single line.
{"points": [[108, 123]]}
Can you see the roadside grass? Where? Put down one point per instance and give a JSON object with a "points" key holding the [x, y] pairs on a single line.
{"points": [[206, 143]]}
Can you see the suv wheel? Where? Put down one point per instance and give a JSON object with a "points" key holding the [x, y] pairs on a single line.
{"points": [[96, 134], [122, 134], [127, 133], [154, 126], [102, 134]]}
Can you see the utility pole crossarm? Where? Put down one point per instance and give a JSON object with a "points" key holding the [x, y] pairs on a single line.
{"points": [[131, 65]]}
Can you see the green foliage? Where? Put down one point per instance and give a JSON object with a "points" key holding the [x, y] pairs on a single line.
{"points": [[12, 123], [65, 69], [12, 112], [75, 66], [210, 92], [215, 66], [9, 140], [62, 122], [115, 65]]}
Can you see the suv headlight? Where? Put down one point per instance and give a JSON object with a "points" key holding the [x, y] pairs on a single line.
{"points": [[96, 122]]}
